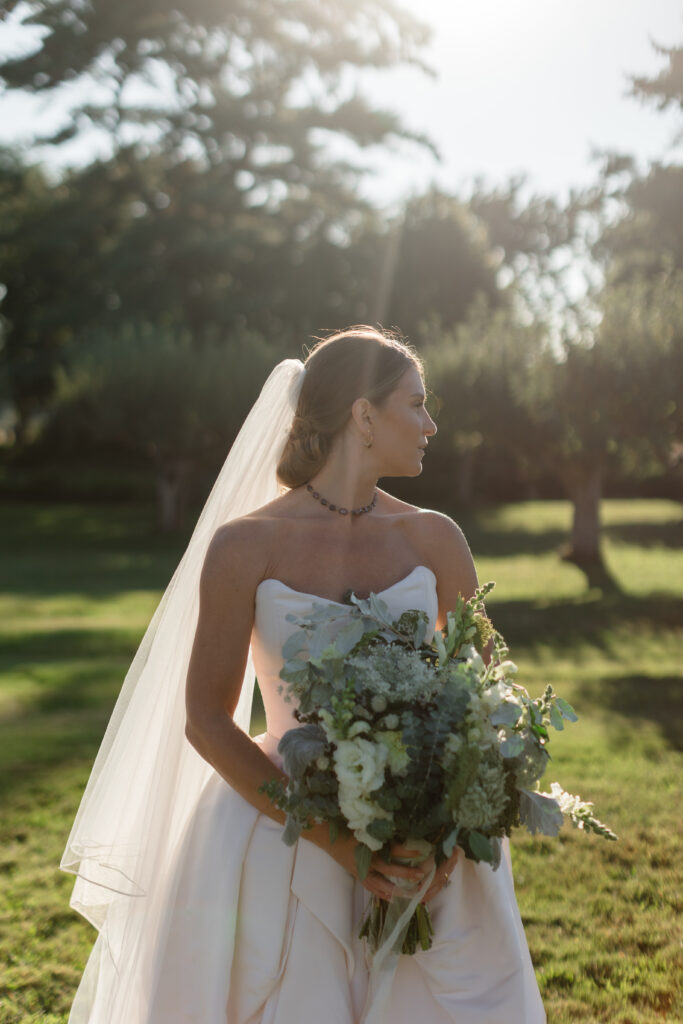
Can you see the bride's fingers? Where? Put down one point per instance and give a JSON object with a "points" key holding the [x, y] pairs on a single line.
{"points": [[441, 877], [378, 885], [411, 874], [399, 850]]}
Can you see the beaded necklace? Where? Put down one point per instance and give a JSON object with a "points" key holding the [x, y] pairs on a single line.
{"points": [[342, 511]]}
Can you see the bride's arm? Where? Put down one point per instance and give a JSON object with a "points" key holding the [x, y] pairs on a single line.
{"points": [[450, 555], [234, 565]]}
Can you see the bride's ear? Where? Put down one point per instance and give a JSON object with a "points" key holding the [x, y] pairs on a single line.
{"points": [[362, 414]]}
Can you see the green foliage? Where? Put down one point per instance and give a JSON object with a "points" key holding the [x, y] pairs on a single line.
{"points": [[68, 637], [363, 856]]}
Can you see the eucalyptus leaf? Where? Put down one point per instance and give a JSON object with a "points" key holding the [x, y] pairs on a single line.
{"points": [[556, 718], [294, 644], [480, 846], [348, 637], [450, 841], [566, 710], [512, 746], [507, 713], [380, 609], [381, 828]]}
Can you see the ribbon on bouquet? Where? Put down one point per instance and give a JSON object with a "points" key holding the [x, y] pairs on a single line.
{"points": [[384, 962]]}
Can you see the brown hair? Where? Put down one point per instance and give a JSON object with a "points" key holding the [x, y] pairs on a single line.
{"points": [[360, 362]]}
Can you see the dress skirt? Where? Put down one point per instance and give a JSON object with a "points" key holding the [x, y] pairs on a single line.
{"points": [[256, 932]]}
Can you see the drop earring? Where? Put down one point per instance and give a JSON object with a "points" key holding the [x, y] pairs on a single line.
{"points": [[368, 444]]}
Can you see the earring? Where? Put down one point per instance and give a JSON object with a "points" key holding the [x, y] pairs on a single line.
{"points": [[368, 444]]}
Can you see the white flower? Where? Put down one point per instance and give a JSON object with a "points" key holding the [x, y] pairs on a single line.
{"points": [[489, 736], [364, 837], [453, 743], [323, 763], [357, 728], [359, 811], [391, 722], [475, 706], [397, 753], [378, 703], [494, 696], [473, 658], [506, 668], [359, 764]]}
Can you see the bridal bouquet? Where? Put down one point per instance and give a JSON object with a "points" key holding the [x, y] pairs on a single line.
{"points": [[405, 738]]}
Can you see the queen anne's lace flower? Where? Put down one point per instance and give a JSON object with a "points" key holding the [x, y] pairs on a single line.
{"points": [[396, 673]]}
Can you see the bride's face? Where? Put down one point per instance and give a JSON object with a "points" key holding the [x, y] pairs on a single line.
{"points": [[401, 428]]}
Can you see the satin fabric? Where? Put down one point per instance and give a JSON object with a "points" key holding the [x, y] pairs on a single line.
{"points": [[254, 932]]}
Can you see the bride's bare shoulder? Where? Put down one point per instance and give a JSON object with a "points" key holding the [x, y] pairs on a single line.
{"points": [[237, 554]]}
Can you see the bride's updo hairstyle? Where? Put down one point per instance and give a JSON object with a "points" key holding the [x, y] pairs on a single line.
{"points": [[360, 362]]}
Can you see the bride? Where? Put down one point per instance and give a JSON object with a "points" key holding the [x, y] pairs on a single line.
{"points": [[203, 913]]}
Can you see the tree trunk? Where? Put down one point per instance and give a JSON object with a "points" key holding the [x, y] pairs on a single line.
{"points": [[584, 488], [172, 482], [583, 484]]}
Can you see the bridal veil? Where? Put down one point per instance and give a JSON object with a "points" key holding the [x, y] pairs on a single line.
{"points": [[147, 778]]}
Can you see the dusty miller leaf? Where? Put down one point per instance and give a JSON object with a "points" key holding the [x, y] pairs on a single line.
{"points": [[540, 813]]}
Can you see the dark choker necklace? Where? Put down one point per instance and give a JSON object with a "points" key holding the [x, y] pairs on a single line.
{"points": [[342, 511]]}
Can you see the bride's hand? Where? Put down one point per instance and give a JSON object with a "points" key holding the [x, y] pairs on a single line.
{"points": [[380, 880], [377, 880], [441, 876]]}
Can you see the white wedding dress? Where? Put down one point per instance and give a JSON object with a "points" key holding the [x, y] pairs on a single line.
{"points": [[255, 932]]}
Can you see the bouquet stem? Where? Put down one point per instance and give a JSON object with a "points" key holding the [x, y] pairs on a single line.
{"points": [[419, 933]]}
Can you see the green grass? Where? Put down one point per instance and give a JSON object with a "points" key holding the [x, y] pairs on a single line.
{"points": [[78, 585]]}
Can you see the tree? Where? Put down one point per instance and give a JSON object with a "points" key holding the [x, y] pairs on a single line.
{"points": [[247, 86], [612, 396], [218, 187], [480, 374], [152, 394], [666, 88], [436, 259]]}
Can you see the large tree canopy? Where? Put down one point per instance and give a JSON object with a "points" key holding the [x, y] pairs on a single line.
{"points": [[220, 190], [666, 88], [252, 83]]}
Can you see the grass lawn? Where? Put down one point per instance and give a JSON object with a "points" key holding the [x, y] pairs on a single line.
{"points": [[78, 585]]}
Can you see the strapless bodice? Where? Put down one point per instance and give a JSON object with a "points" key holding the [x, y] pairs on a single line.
{"points": [[275, 600]]}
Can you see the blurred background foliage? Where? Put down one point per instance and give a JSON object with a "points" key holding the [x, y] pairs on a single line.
{"points": [[146, 295]]}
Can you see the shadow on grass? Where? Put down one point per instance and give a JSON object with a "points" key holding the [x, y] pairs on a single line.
{"points": [[588, 621], [655, 699], [647, 535], [48, 647], [58, 550], [497, 543]]}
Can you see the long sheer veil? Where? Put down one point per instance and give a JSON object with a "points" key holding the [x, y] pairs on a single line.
{"points": [[147, 778]]}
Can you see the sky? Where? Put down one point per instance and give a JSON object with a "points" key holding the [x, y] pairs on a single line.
{"points": [[522, 87]]}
